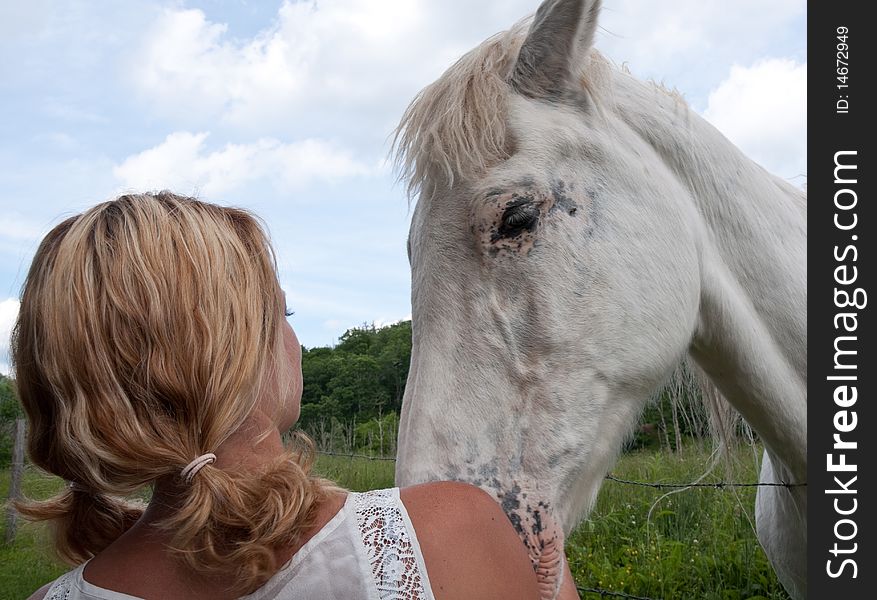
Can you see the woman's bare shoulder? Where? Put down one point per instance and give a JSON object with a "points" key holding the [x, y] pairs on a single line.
{"points": [[470, 548]]}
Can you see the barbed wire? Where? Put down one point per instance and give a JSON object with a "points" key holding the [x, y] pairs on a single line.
{"points": [[719, 485], [601, 592], [712, 484], [604, 593], [365, 456]]}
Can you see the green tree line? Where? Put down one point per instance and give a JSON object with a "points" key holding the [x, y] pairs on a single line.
{"points": [[363, 377], [353, 391], [352, 396]]}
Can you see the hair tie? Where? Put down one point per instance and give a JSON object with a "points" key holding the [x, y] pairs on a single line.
{"points": [[78, 487], [190, 470]]}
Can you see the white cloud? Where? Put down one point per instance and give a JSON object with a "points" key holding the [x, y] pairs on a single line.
{"points": [[182, 162], [682, 42], [8, 314], [386, 322], [342, 66], [310, 56], [763, 110], [345, 69]]}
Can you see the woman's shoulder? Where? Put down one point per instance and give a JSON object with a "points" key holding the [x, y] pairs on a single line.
{"points": [[450, 504], [469, 546]]}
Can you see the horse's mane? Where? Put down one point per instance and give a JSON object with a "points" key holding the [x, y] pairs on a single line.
{"points": [[458, 125]]}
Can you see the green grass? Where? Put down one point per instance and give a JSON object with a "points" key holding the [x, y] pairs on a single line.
{"points": [[356, 474], [27, 563], [697, 543]]}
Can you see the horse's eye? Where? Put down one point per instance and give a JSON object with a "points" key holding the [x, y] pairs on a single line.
{"points": [[520, 217]]}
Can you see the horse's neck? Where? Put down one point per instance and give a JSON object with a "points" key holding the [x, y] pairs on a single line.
{"points": [[751, 336]]}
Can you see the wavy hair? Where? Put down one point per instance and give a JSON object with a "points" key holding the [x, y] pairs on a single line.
{"points": [[146, 329]]}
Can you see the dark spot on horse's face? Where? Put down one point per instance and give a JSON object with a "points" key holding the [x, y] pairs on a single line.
{"points": [[488, 471], [509, 499], [516, 522], [452, 473], [562, 200], [537, 522]]}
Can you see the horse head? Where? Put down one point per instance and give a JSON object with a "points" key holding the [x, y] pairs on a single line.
{"points": [[557, 263]]}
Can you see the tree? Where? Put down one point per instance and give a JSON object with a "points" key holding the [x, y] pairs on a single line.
{"points": [[394, 358], [357, 385], [10, 407], [318, 366], [358, 340]]}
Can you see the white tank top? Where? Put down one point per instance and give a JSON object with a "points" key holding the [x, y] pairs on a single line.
{"points": [[367, 551]]}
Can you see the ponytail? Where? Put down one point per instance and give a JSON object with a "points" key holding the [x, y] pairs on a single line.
{"points": [[234, 521]]}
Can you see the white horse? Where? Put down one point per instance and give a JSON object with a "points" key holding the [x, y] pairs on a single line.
{"points": [[577, 234]]}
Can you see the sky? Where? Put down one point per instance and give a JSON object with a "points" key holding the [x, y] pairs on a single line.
{"points": [[287, 108]]}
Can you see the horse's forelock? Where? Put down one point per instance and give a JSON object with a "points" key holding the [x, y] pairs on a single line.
{"points": [[457, 126]]}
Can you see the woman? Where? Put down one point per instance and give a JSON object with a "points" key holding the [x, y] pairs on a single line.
{"points": [[151, 350]]}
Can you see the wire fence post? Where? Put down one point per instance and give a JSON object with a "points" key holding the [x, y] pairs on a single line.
{"points": [[15, 480]]}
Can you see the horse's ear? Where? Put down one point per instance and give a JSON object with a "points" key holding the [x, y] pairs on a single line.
{"points": [[553, 54]]}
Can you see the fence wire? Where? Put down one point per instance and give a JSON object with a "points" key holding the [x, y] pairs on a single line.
{"points": [[364, 456], [718, 485], [713, 484], [605, 593]]}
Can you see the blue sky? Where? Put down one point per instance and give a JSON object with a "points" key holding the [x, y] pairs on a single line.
{"points": [[285, 108]]}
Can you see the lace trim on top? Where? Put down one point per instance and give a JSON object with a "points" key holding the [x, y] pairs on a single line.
{"points": [[388, 546], [61, 589]]}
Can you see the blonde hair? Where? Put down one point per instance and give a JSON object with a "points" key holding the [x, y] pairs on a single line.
{"points": [[145, 331]]}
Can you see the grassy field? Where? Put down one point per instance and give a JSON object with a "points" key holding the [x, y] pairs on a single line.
{"points": [[698, 543], [26, 564]]}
